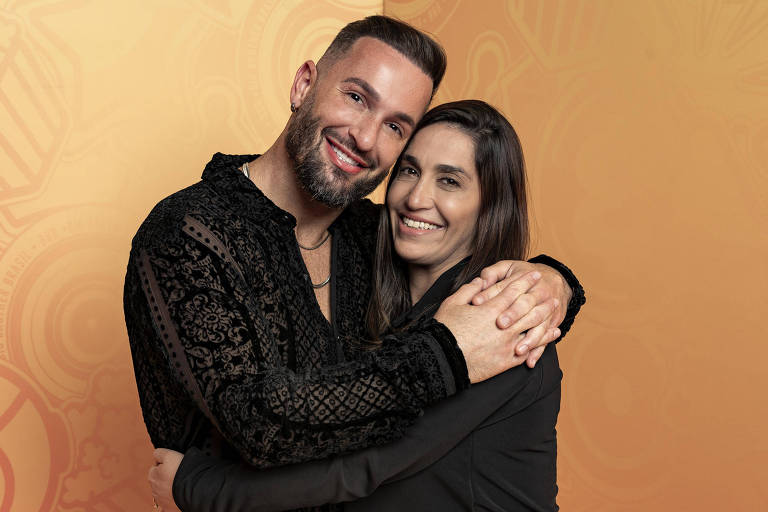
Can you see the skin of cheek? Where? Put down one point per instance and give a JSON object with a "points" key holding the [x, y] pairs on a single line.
{"points": [[453, 209]]}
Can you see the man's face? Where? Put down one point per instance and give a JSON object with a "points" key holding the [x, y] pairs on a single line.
{"points": [[355, 120]]}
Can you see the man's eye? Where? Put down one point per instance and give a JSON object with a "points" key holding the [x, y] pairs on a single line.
{"points": [[395, 128], [355, 97], [407, 172]]}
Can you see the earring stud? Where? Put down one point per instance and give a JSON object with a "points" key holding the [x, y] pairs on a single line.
{"points": [[293, 107]]}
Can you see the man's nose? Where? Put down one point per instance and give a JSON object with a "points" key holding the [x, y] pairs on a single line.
{"points": [[365, 132]]}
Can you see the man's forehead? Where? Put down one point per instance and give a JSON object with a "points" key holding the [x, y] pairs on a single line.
{"points": [[368, 53], [386, 70]]}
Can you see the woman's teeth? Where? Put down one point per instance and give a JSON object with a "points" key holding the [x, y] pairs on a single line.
{"points": [[418, 224]]}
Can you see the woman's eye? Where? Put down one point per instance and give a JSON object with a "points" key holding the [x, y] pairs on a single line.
{"points": [[450, 182]]}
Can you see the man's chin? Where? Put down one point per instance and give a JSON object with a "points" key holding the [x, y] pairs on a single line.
{"points": [[334, 191], [339, 175], [335, 188]]}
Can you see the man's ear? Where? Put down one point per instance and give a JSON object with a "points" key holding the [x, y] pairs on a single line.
{"points": [[305, 79]]}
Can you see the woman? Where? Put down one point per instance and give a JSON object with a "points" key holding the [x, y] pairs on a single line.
{"points": [[456, 203]]}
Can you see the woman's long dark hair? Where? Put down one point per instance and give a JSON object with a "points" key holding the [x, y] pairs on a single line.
{"points": [[502, 225]]}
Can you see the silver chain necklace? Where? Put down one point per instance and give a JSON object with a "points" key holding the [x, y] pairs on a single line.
{"points": [[327, 236], [315, 246], [327, 279]]}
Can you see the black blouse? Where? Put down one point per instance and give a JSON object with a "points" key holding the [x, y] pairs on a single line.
{"points": [[231, 353]]}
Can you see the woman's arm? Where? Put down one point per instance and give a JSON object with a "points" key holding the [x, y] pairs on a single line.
{"points": [[209, 483]]}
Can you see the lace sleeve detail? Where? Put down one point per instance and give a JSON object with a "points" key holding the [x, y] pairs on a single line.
{"points": [[578, 298], [223, 351]]}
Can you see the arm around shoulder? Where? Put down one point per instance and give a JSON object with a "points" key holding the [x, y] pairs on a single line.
{"points": [[576, 297], [220, 347]]}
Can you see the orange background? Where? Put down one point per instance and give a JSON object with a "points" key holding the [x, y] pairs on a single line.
{"points": [[645, 128]]}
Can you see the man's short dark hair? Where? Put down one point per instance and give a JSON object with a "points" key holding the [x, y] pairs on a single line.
{"points": [[415, 45]]}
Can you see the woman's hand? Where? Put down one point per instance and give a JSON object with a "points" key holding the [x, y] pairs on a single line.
{"points": [[161, 477]]}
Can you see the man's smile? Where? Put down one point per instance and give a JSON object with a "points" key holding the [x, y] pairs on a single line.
{"points": [[343, 158]]}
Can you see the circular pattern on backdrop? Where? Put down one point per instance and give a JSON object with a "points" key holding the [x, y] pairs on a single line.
{"points": [[36, 119], [429, 15], [276, 38], [61, 285], [112, 449], [551, 41], [61, 324], [597, 211], [618, 456], [34, 446]]}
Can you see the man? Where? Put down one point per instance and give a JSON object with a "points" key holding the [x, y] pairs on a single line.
{"points": [[245, 293]]}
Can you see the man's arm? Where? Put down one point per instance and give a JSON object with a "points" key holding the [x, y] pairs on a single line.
{"points": [[571, 292], [558, 282]]}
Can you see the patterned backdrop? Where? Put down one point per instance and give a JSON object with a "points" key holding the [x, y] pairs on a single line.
{"points": [[645, 128]]}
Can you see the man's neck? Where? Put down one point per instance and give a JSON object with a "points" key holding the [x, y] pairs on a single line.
{"points": [[274, 175]]}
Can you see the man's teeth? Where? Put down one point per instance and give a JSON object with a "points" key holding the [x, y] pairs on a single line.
{"points": [[418, 224], [343, 157]]}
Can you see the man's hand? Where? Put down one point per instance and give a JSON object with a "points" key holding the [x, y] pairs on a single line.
{"points": [[488, 348], [161, 477], [550, 286]]}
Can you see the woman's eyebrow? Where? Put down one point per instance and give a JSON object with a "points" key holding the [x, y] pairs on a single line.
{"points": [[452, 169], [411, 159]]}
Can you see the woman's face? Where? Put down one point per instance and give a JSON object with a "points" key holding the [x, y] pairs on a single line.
{"points": [[434, 198]]}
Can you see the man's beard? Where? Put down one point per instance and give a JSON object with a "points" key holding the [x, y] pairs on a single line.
{"points": [[334, 191]]}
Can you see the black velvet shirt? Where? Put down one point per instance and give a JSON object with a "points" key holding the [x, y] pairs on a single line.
{"points": [[231, 351]]}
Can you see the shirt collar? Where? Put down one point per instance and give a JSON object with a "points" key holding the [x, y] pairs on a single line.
{"points": [[223, 173], [434, 296]]}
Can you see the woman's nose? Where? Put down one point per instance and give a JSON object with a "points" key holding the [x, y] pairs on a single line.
{"points": [[420, 196]]}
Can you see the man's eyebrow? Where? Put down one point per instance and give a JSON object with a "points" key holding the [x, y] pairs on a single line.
{"points": [[375, 96], [365, 86], [405, 118]]}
